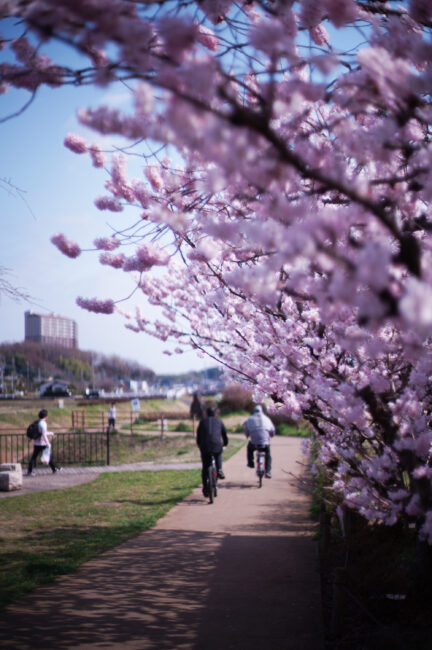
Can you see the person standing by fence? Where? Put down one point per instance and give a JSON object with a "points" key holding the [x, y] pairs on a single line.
{"points": [[41, 443], [197, 409], [112, 414]]}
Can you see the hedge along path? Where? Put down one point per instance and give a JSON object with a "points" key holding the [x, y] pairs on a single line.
{"points": [[239, 574]]}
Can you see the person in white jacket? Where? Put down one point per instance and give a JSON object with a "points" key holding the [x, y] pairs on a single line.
{"points": [[42, 443], [259, 429]]}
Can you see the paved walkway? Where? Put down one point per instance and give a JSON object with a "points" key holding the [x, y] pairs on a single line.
{"points": [[241, 574]]}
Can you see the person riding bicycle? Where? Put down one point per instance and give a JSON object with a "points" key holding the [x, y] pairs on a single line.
{"points": [[211, 439], [259, 429]]}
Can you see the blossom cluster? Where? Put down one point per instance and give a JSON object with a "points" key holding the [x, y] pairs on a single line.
{"points": [[65, 245]]}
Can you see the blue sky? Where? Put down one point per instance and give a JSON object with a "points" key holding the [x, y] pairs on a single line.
{"points": [[59, 189]]}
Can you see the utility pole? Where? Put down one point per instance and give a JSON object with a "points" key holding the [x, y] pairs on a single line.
{"points": [[13, 376], [2, 368]]}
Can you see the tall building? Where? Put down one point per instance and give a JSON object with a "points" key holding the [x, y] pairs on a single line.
{"points": [[51, 329]]}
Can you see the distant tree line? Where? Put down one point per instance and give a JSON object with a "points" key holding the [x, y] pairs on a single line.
{"points": [[210, 374], [27, 365]]}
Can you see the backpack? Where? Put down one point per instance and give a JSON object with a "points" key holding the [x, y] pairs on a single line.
{"points": [[33, 430]]}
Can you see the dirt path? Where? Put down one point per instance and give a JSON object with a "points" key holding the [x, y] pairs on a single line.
{"points": [[240, 574]]}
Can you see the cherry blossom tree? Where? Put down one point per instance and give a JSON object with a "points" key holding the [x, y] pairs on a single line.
{"points": [[285, 206]]}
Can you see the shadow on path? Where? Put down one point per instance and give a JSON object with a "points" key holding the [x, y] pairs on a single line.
{"points": [[147, 593], [241, 574]]}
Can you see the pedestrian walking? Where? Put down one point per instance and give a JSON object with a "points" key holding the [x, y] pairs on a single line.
{"points": [[42, 445], [197, 407]]}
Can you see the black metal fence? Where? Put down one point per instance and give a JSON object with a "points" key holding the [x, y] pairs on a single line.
{"points": [[71, 448], [83, 420]]}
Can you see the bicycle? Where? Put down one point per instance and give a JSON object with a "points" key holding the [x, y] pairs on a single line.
{"points": [[260, 464], [212, 480]]}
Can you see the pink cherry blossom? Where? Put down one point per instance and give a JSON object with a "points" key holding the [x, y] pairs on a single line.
{"points": [[76, 143], [106, 243], [146, 256], [66, 246], [319, 35], [153, 175], [420, 10], [108, 203], [208, 38], [96, 305], [97, 156], [178, 35], [23, 50], [115, 260], [271, 37], [312, 13], [341, 12]]}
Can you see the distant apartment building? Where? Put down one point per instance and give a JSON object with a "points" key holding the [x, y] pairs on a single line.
{"points": [[51, 329]]}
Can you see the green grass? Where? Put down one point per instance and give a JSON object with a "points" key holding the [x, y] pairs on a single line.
{"points": [[239, 413], [182, 426], [48, 534], [136, 448], [19, 413], [285, 429], [238, 428]]}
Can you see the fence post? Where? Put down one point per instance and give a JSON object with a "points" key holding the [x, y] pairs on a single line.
{"points": [[324, 528], [162, 425], [107, 446], [337, 615]]}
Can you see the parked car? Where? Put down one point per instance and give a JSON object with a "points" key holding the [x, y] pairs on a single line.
{"points": [[56, 390], [91, 393]]}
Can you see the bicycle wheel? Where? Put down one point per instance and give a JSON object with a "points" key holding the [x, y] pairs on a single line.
{"points": [[210, 484], [260, 467], [214, 479]]}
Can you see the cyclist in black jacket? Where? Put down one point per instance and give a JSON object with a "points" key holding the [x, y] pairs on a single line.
{"points": [[211, 439]]}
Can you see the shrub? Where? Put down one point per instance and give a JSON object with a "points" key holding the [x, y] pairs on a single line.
{"points": [[286, 429], [183, 426], [236, 398]]}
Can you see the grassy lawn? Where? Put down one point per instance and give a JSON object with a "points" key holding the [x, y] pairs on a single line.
{"points": [[136, 448], [19, 413]]}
